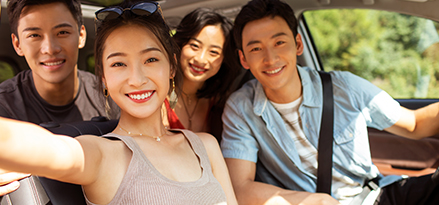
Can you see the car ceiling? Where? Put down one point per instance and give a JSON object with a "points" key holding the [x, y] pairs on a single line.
{"points": [[174, 10]]}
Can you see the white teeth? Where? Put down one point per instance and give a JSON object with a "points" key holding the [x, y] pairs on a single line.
{"points": [[53, 63], [274, 71], [198, 69], [140, 97]]}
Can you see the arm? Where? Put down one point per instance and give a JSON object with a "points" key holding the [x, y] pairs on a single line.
{"points": [[241, 150], [219, 167], [417, 124], [29, 148], [248, 191]]}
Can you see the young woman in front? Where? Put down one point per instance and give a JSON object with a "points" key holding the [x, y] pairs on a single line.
{"points": [[142, 163]]}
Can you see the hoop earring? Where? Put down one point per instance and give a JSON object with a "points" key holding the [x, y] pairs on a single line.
{"points": [[173, 98]]}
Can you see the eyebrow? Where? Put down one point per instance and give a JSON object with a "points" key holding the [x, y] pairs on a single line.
{"points": [[57, 26], [141, 52], [216, 46], [274, 36]]}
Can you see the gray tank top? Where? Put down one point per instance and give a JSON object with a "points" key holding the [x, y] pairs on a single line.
{"points": [[143, 184]]}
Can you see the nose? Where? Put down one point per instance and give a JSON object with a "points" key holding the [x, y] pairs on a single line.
{"points": [[50, 45], [270, 57], [201, 57], [137, 76]]}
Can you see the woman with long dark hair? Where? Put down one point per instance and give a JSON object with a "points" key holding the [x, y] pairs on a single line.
{"points": [[146, 163], [203, 36]]}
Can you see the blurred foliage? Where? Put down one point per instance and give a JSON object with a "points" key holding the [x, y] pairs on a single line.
{"points": [[6, 71], [398, 53]]}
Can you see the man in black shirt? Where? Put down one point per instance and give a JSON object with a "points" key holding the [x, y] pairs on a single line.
{"points": [[49, 35]]}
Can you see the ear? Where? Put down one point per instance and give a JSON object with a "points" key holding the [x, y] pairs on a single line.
{"points": [[242, 59], [82, 37], [299, 45], [16, 44]]}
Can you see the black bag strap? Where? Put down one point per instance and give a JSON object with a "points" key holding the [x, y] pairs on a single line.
{"points": [[324, 169]]}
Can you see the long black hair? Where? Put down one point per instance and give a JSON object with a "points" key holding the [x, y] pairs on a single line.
{"points": [[191, 25]]}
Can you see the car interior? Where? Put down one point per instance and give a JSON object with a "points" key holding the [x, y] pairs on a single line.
{"points": [[412, 79]]}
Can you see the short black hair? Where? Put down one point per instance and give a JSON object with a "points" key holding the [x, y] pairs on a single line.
{"points": [[258, 9], [15, 8]]}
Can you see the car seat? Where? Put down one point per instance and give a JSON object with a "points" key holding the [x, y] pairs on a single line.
{"points": [[36, 190]]}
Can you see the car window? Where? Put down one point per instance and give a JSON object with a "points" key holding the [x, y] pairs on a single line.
{"points": [[6, 71], [396, 52]]}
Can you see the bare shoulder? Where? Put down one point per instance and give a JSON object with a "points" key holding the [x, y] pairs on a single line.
{"points": [[101, 144], [208, 140]]}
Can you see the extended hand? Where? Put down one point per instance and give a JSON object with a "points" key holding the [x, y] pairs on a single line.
{"points": [[9, 181]]}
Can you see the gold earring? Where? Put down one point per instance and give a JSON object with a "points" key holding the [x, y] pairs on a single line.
{"points": [[173, 98], [107, 105]]}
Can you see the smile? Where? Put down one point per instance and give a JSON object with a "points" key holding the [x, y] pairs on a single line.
{"points": [[197, 68], [140, 96], [274, 71], [53, 63]]}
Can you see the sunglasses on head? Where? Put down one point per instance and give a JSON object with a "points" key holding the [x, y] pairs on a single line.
{"points": [[141, 9]]}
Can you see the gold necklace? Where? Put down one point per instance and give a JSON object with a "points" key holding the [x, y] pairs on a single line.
{"points": [[157, 138], [187, 112]]}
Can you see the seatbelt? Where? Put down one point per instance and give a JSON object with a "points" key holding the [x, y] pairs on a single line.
{"points": [[324, 167]]}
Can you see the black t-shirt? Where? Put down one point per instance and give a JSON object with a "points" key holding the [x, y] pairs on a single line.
{"points": [[20, 100]]}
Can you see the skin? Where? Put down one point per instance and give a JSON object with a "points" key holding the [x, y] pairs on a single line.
{"points": [[134, 62], [49, 39], [271, 57], [47, 34], [9, 181], [200, 59]]}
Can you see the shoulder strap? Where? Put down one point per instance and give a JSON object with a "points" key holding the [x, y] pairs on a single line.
{"points": [[324, 169]]}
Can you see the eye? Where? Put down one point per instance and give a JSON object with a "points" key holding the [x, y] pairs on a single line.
{"points": [[255, 49], [64, 33], [194, 46], [150, 60], [214, 53], [34, 35], [118, 64], [280, 43]]}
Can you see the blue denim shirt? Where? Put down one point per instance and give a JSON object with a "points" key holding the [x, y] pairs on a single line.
{"points": [[255, 131]]}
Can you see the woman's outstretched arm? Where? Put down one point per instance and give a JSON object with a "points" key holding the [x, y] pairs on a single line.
{"points": [[29, 148]]}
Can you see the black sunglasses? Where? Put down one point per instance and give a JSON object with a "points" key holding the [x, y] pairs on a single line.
{"points": [[141, 9]]}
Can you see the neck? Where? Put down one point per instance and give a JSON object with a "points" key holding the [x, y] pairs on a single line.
{"points": [[190, 88], [152, 125], [60, 93], [288, 93]]}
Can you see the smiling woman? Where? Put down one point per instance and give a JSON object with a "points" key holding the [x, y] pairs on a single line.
{"points": [[203, 37], [147, 164]]}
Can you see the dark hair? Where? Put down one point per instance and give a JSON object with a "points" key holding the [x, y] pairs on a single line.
{"points": [[190, 26], [154, 23], [15, 8], [258, 9]]}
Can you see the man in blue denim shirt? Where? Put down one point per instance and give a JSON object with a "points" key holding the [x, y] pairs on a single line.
{"points": [[279, 148]]}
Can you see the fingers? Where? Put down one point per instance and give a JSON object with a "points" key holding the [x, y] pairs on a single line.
{"points": [[9, 182], [8, 188]]}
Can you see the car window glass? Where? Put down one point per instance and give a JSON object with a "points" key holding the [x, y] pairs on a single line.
{"points": [[396, 52], [91, 63], [6, 71]]}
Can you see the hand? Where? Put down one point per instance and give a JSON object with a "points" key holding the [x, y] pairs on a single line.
{"points": [[320, 198], [9, 181]]}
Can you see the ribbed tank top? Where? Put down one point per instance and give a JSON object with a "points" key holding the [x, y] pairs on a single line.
{"points": [[143, 183]]}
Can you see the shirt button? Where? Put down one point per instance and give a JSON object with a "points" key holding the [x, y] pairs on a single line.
{"points": [[351, 135]]}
